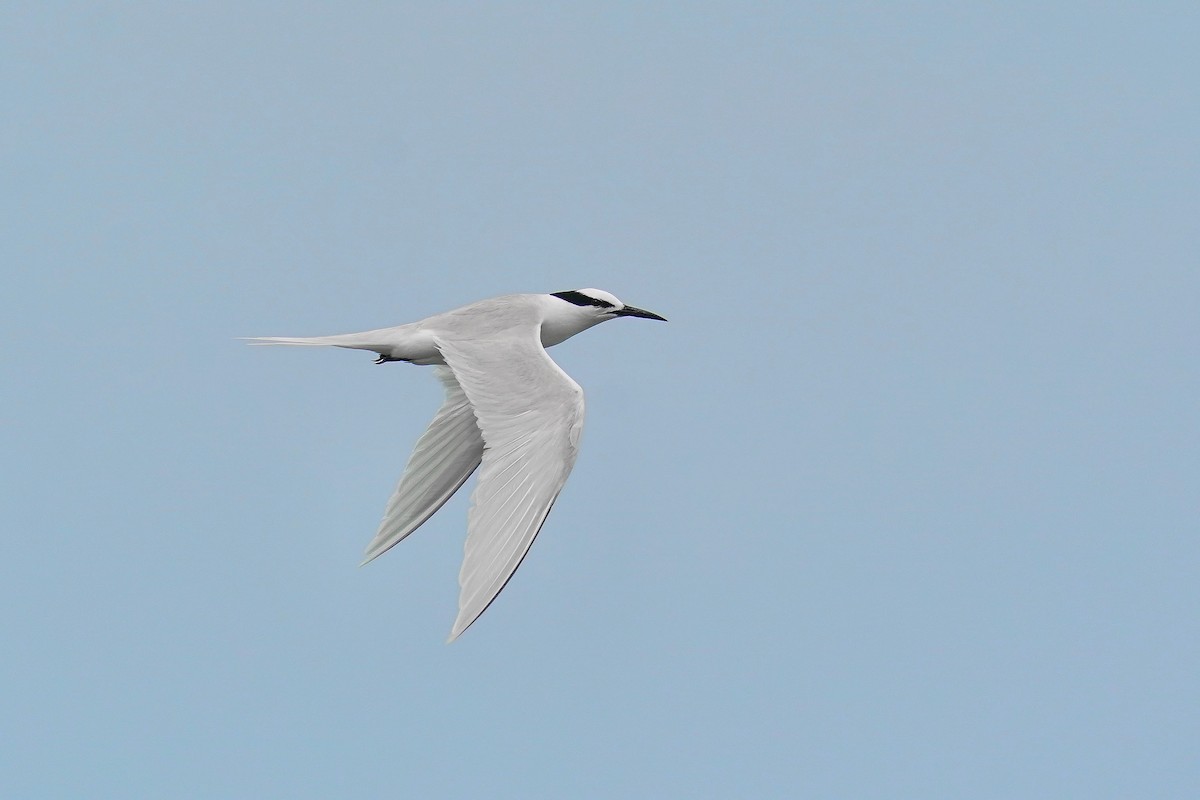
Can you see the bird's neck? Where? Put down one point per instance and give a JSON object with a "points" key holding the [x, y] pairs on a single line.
{"points": [[558, 328]]}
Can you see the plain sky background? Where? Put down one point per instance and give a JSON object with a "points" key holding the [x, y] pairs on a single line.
{"points": [[902, 503]]}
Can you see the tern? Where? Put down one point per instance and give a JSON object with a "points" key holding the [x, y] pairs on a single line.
{"points": [[508, 406]]}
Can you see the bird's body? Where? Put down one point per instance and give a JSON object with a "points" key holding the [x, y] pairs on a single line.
{"points": [[508, 406], [417, 342]]}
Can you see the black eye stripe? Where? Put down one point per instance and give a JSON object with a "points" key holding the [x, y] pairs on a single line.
{"points": [[581, 299]]}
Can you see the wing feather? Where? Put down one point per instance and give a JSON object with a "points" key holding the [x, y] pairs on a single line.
{"points": [[530, 413], [444, 457]]}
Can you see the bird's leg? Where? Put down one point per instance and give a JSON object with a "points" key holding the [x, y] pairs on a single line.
{"points": [[385, 359]]}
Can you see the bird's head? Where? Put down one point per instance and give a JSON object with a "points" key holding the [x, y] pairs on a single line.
{"points": [[602, 305], [568, 313]]}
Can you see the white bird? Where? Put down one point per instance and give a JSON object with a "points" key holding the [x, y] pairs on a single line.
{"points": [[508, 406]]}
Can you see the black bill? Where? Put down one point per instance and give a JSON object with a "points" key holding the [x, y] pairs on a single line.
{"points": [[630, 311]]}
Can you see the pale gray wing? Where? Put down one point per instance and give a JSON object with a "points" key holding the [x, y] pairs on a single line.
{"points": [[444, 457], [531, 415]]}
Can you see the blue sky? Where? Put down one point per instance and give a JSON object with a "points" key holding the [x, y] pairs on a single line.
{"points": [[901, 503]]}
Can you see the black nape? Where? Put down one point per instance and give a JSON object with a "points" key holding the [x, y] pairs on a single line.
{"points": [[581, 299]]}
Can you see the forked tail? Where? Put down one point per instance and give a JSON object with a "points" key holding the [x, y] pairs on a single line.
{"points": [[302, 341], [354, 341]]}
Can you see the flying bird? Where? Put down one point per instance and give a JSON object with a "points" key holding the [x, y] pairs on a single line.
{"points": [[508, 406]]}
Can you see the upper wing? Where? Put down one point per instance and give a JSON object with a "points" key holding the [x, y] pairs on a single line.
{"points": [[444, 457], [531, 415]]}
